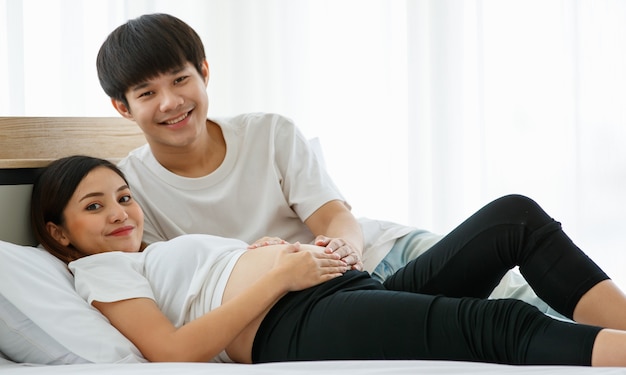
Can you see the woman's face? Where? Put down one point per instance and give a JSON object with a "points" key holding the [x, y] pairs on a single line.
{"points": [[101, 216]]}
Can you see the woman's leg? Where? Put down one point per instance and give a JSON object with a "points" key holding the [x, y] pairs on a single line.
{"points": [[511, 231], [416, 243], [603, 305], [352, 319], [609, 348]]}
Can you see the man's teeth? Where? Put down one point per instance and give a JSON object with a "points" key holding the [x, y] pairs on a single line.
{"points": [[174, 121]]}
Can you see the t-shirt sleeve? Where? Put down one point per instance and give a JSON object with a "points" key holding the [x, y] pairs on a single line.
{"points": [[306, 183], [110, 277]]}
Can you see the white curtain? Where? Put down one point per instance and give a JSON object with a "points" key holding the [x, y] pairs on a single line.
{"points": [[426, 109]]}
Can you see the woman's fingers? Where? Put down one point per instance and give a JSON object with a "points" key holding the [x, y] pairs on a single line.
{"points": [[266, 241], [331, 265], [307, 269]]}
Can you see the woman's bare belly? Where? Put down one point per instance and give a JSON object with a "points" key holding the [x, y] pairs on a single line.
{"points": [[249, 268]]}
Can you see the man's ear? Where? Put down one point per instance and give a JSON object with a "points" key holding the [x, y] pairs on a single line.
{"points": [[57, 233], [122, 109], [205, 72]]}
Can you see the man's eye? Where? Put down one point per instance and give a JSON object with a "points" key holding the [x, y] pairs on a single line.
{"points": [[181, 79], [144, 94]]}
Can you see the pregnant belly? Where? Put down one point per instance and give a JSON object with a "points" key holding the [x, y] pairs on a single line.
{"points": [[249, 268], [252, 265]]}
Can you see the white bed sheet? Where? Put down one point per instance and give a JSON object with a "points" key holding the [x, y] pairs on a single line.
{"points": [[308, 368]]}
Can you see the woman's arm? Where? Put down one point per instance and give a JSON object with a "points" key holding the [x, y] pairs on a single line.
{"points": [[142, 322]]}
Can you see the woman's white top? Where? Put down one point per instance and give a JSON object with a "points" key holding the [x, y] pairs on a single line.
{"points": [[185, 276]]}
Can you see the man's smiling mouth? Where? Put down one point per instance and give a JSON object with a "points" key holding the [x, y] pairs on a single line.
{"points": [[176, 120]]}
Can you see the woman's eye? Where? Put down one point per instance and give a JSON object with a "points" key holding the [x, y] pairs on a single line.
{"points": [[125, 199], [93, 206]]}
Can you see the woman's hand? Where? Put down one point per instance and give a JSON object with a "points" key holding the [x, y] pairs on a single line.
{"points": [[344, 249], [303, 269], [266, 241]]}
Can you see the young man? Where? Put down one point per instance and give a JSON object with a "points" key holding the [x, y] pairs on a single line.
{"points": [[253, 177]]}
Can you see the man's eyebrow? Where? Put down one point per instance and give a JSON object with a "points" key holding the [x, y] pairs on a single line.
{"points": [[139, 86], [144, 84]]}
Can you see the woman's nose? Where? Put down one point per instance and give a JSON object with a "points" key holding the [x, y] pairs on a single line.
{"points": [[118, 214]]}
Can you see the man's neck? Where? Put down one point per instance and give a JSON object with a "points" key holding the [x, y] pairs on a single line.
{"points": [[198, 159]]}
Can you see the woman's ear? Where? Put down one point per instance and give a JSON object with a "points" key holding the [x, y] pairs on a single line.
{"points": [[122, 109], [57, 233]]}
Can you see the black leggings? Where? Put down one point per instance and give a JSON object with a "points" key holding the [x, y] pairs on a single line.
{"points": [[435, 307]]}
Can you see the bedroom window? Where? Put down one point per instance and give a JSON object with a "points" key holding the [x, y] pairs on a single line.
{"points": [[426, 109]]}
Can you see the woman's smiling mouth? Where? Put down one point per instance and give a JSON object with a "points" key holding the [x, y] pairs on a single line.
{"points": [[123, 231]]}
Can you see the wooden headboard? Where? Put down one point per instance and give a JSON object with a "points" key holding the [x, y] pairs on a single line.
{"points": [[28, 144]]}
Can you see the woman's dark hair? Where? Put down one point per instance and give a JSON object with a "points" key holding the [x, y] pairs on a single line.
{"points": [[144, 48], [51, 193]]}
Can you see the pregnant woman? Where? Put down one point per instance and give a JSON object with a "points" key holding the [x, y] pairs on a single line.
{"points": [[208, 298]]}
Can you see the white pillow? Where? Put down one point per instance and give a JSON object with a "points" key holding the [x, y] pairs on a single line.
{"points": [[24, 341], [42, 318], [4, 359]]}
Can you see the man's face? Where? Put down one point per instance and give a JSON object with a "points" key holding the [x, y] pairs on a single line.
{"points": [[171, 108]]}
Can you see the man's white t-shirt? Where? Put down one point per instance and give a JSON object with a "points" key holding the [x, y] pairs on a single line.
{"points": [[185, 276], [270, 182]]}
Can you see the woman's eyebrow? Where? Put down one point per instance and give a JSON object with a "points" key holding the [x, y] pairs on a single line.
{"points": [[90, 195], [99, 194]]}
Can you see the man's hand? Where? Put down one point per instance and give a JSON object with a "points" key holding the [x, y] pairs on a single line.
{"points": [[343, 248]]}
